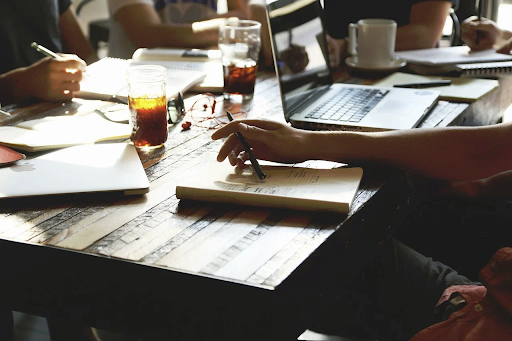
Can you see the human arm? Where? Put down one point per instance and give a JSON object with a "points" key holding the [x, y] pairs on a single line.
{"points": [[48, 79], [74, 39], [425, 28], [144, 28], [491, 34], [454, 153], [236, 9], [337, 50]]}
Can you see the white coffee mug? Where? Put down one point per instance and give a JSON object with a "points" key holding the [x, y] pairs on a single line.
{"points": [[372, 41]]}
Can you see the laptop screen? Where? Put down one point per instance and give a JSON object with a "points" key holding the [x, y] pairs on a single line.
{"points": [[299, 48]]}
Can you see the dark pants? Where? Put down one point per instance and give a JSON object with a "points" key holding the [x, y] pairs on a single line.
{"points": [[6, 324], [462, 233], [392, 297]]}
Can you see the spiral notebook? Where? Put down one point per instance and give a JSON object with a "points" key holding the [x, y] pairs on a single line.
{"points": [[451, 55], [457, 61]]}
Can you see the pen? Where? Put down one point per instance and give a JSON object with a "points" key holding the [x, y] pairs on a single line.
{"points": [[479, 9], [44, 50], [248, 150], [424, 84], [3, 112]]}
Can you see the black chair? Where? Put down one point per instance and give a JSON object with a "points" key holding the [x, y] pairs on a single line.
{"points": [[99, 30], [455, 36]]}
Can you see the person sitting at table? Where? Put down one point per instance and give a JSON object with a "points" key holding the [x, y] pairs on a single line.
{"points": [[420, 23], [491, 35], [398, 291], [27, 74]]}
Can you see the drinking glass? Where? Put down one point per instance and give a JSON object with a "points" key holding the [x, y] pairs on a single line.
{"points": [[239, 43], [148, 105]]}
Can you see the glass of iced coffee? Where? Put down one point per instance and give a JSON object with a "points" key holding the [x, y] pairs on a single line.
{"points": [[239, 43], [148, 105]]}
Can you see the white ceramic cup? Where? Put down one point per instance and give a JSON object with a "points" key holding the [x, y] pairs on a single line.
{"points": [[372, 41]]}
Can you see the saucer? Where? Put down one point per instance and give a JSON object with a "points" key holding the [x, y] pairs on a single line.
{"points": [[396, 63]]}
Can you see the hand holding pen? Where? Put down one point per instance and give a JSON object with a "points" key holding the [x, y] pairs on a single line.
{"points": [[255, 165], [55, 78], [479, 34]]}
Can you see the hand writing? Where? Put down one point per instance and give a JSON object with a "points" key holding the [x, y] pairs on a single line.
{"points": [[269, 140], [489, 33], [53, 79]]}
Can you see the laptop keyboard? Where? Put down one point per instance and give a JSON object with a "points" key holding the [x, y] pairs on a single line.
{"points": [[443, 110], [348, 105]]}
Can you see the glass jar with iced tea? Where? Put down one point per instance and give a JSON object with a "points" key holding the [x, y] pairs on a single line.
{"points": [[239, 43], [148, 105]]}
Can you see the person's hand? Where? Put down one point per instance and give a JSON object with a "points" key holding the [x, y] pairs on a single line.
{"points": [[337, 49], [489, 33], [53, 79], [269, 140], [506, 47]]}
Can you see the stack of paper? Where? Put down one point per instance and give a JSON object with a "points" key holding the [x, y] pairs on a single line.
{"points": [[206, 61]]}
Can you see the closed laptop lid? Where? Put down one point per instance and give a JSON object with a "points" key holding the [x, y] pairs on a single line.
{"points": [[112, 167]]}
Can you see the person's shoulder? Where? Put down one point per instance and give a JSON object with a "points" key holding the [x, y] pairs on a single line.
{"points": [[115, 5]]}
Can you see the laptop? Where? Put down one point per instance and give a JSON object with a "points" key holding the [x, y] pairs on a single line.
{"points": [[92, 168], [310, 98]]}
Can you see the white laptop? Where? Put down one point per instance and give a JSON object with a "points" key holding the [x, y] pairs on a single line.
{"points": [[311, 100], [109, 167]]}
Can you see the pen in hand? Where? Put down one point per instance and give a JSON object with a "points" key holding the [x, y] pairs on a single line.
{"points": [[44, 50], [248, 150]]}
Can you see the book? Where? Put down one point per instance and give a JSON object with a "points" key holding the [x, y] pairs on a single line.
{"points": [[107, 77], [461, 90], [207, 61], [451, 56], [301, 188], [457, 61], [61, 131]]}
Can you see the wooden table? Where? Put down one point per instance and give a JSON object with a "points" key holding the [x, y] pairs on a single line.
{"points": [[198, 270]]}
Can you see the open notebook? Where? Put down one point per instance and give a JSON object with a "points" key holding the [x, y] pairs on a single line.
{"points": [[309, 189], [62, 131], [107, 77]]}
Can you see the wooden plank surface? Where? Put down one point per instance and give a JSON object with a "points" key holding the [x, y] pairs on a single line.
{"points": [[241, 243]]}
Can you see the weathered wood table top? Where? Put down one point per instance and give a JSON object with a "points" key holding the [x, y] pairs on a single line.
{"points": [[141, 262]]}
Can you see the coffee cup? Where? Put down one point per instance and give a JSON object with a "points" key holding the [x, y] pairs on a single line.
{"points": [[372, 41]]}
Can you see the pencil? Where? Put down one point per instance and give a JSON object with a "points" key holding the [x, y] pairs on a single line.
{"points": [[44, 50], [248, 150]]}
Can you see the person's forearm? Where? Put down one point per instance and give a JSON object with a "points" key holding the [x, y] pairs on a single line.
{"points": [[198, 35], [74, 39], [451, 153], [10, 91], [413, 37]]}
